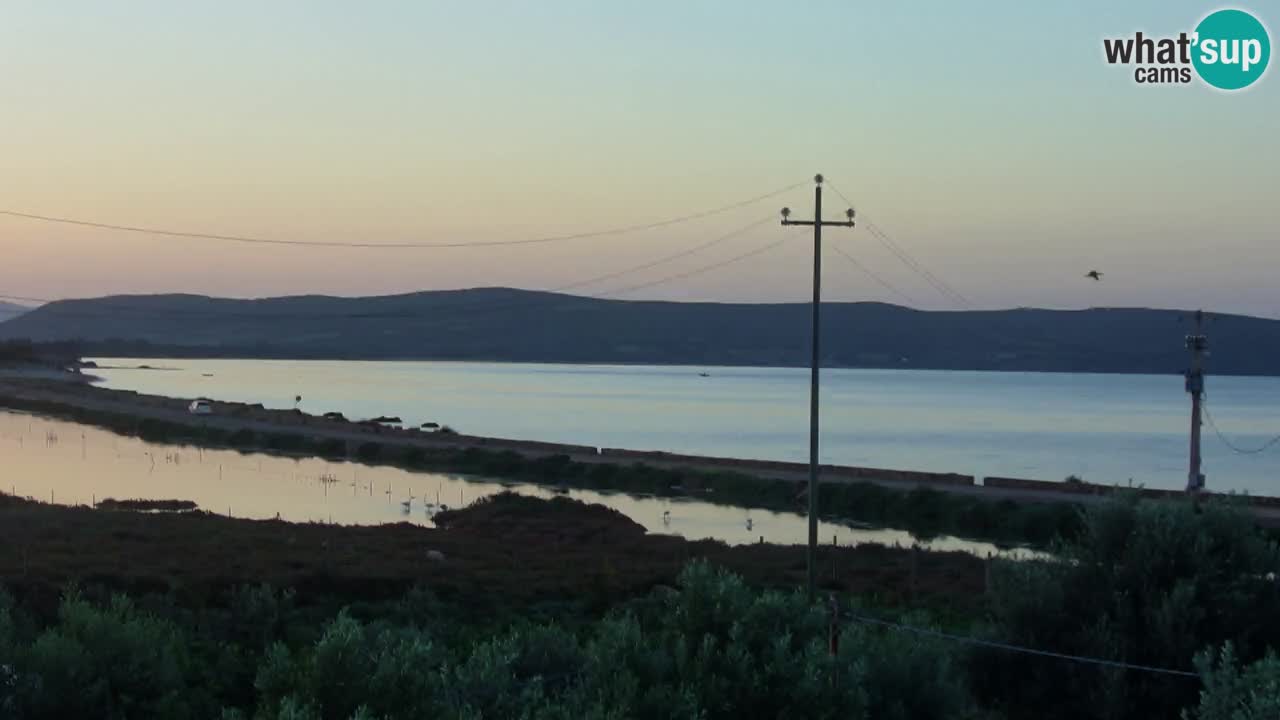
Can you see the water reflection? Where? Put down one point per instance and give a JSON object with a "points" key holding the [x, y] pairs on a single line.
{"points": [[74, 464]]}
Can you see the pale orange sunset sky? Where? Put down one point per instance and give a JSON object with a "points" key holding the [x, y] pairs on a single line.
{"points": [[990, 140]]}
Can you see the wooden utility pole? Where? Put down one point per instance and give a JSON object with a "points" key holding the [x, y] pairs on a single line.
{"points": [[1197, 343], [817, 222]]}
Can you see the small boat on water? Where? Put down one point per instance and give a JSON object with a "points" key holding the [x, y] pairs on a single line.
{"points": [[704, 374]]}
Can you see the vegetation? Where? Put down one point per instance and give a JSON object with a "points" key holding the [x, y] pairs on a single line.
{"points": [[18, 351], [1153, 583], [499, 556], [710, 648], [24, 352], [146, 505], [1235, 693]]}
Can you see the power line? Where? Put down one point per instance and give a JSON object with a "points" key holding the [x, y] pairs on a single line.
{"points": [[119, 306], [399, 246], [698, 271], [905, 257], [938, 283], [868, 272], [1018, 648], [665, 259], [564, 300], [1236, 448], [107, 307]]}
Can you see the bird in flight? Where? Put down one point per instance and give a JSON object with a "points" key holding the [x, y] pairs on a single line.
{"points": [[1093, 275]]}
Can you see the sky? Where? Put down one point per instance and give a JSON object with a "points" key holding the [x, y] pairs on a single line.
{"points": [[989, 140]]}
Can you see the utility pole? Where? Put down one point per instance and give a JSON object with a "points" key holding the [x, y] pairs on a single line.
{"points": [[1197, 343], [817, 222]]}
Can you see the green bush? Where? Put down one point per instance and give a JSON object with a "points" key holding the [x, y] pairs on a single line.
{"points": [[369, 451], [414, 457], [353, 667], [153, 430], [1234, 693], [711, 648], [285, 442], [8, 651], [331, 448], [1146, 582], [243, 437], [907, 676], [111, 662]]}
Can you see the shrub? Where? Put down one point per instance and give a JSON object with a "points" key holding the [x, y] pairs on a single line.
{"points": [[353, 668], [111, 662], [8, 651], [1147, 582], [414, 457], [259, 613], [1234, 693], [369, 451], [331, 448], [243, 437], [906, 676], [285, 442], [713, 648]]}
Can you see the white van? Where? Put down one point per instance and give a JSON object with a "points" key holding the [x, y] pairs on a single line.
{"points": [[201, 407]]}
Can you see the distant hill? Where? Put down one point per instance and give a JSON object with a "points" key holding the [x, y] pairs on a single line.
{"points": [[515, 325], [8, 310]]}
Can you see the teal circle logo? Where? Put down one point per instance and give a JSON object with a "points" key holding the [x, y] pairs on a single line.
{"points": [[1232, 49]]}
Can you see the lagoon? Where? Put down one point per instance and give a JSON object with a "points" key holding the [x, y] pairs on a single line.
{"points": [[1102, 428]]}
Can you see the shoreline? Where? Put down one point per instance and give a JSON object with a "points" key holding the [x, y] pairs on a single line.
{"points": [[638, 363], [72, 376], [1004, 510]]}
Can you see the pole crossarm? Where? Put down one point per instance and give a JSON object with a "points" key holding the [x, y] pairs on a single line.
{"points": [[824, 223], [817, 223]]}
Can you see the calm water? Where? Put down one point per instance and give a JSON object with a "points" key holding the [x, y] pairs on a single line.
{"points": [[74, 464], [1103, 428]]}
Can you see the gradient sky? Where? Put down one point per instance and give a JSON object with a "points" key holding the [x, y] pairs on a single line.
{"points": [[989, 139]]}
